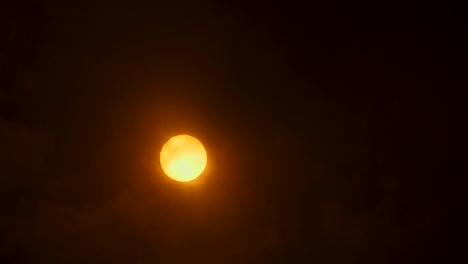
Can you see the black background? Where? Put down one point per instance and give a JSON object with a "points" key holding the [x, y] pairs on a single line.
{"points": [[329, 129]]}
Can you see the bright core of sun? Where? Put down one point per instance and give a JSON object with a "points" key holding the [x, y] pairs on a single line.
{"points": [[183, 158]]}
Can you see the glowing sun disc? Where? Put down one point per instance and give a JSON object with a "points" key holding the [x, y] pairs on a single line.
{"points": [[183, 158]]}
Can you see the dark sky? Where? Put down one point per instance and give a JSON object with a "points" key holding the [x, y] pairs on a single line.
{"points": [[329, 129]]}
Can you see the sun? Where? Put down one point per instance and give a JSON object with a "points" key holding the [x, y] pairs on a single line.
{"points": [[183, 158]]}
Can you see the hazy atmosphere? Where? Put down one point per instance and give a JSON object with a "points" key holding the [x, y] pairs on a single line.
{"points": [[327, 128]]}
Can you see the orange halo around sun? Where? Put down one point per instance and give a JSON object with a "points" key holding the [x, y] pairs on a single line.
{"points": [[183, 158]]}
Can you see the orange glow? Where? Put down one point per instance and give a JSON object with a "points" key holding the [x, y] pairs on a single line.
{"points": [[183, 158]]}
